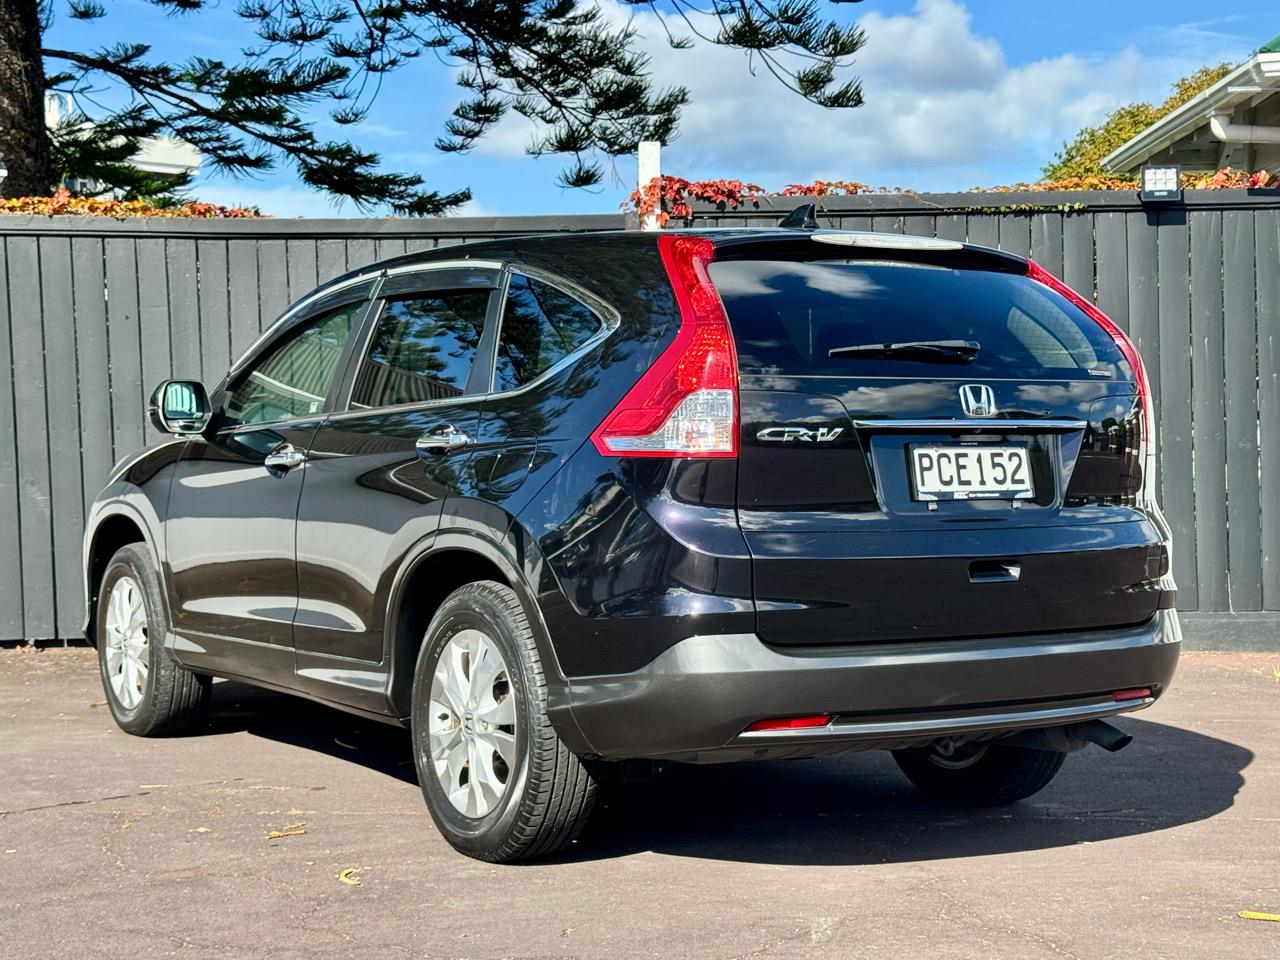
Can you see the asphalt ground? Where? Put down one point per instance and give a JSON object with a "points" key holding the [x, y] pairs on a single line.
{"points": [[113, 846]]}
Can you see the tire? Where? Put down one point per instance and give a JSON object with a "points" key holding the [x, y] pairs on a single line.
{"points": [[150, 695], [531, 796], [980, 775]]}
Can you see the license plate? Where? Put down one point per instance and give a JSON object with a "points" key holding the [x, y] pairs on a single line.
{"points": [[971, 472]]}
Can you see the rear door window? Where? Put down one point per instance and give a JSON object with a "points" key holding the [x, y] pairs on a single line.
{"points": [[422, 348], [787, 315], [541, 325]]}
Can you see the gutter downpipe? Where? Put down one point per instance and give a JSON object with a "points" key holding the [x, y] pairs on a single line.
{"points": [[1223, 129]]}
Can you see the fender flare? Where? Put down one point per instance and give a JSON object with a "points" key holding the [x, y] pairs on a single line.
{"points": [[117, 507], [484, 545]]}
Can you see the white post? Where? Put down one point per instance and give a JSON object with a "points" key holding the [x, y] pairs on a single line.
{"points": [[649, 157]]}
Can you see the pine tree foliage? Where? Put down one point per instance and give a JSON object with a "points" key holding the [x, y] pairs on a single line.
{"points": [[568, 65]]}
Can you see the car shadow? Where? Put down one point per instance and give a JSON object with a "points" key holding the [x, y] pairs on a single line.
{"points": [[237, 707], [859, 809], [846, 809]]}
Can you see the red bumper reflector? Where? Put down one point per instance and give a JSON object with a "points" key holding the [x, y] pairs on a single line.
{"points": [[1137, 693], [791, 723]]}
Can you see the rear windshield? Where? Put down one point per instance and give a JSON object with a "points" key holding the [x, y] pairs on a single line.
{"points": [[786, 316]]}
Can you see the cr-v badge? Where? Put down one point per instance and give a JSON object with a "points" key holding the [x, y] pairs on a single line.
{"points": [[803, 434], [978, 400]]}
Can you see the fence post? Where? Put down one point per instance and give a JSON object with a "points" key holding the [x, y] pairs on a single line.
{"points": [[649, 167]]}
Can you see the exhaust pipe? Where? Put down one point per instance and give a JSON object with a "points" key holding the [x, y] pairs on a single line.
{"points": [[1102, 733], [1077, 736]]}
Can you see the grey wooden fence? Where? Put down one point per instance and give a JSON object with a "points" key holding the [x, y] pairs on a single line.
{"points": [[96, 312]]}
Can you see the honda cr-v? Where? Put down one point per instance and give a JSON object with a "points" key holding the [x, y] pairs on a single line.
{"points": [[559, 501]]}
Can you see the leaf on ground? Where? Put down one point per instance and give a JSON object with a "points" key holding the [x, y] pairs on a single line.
{"points": [[349, 876], [292, 830], [1255, 915]]}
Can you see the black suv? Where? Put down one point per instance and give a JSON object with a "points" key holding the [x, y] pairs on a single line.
{"points": [[693, 496]]}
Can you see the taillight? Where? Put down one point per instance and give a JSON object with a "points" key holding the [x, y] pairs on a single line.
{"points": [[686, 404], [1147, 453]]}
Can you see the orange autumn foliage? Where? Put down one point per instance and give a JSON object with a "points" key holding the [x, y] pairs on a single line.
{"points": [[64, 204]]}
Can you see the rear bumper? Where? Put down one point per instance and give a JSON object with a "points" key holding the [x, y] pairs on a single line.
{"points": [[695, 701]]}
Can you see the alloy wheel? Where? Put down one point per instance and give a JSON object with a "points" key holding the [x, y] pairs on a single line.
{"points": [[956, 756], [472, 723], [128, 645]]}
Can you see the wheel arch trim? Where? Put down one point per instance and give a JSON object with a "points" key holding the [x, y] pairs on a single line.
{"points": [[488, 548], [102, 513]]}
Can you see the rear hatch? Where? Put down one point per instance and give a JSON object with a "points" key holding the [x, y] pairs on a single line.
{"points": [[978, 476]]}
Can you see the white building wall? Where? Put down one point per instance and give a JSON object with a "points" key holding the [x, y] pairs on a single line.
{"points": [[156, 155]]}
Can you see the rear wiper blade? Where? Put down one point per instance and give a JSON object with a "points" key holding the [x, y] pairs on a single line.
{"points": [[938, 351]]}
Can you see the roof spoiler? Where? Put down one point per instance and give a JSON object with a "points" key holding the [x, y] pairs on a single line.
{"points": [[818, 243], [926, 249]]}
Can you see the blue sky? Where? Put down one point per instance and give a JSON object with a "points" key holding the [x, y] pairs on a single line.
{"points": [[959, 93]]}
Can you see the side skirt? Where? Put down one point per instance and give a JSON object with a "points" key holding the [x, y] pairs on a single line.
{"points": [[307, 695]]}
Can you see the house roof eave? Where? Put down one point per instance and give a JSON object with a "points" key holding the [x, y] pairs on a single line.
{"points": [[1261, 70]]}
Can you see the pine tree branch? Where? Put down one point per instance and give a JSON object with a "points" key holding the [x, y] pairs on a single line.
{"points": [[562, 64]]}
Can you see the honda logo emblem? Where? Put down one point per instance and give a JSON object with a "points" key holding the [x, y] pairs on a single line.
{"points": [[978, 400]]}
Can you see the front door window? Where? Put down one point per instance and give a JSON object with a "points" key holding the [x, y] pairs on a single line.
{"points": [[293, 379]]}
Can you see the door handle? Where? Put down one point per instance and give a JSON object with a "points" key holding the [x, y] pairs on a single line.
{"points": [[440, 440], [284, 457]]}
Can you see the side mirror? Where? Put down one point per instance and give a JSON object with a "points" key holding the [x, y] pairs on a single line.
{"points": [[180, 406]]}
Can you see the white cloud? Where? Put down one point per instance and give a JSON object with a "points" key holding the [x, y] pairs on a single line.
{"points": [[274, 201], [510, 138], [474, 208], [284, 202], [932, 48], [1227, 37], [943, 105], [939, 100]]}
